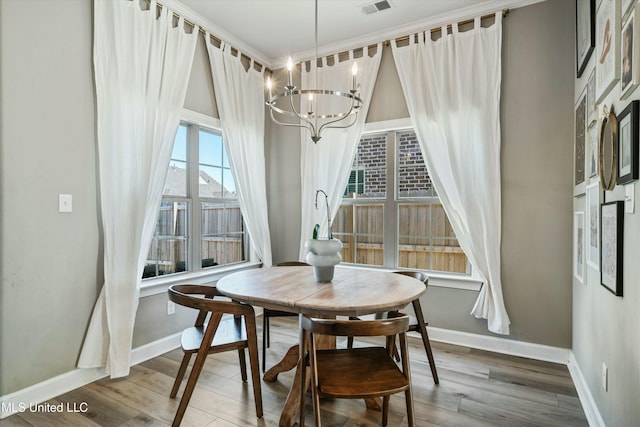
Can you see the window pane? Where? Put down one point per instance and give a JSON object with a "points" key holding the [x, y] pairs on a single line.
{"points": [[361, 229], [216, 179], [426, 240], [413, 178], [342, 228], [223, 236], [176, 182], [368, 178], [210, 181], [168, 252]]}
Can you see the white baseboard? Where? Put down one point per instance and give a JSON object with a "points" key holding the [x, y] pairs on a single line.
{"points": [[501, 345], [21, 400], [586, 398]]}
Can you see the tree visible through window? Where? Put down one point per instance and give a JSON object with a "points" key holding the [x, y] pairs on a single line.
{"points": [[391, 215], [199, 223]]}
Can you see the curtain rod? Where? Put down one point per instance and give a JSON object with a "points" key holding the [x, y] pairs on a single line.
{"points": [[344, 54], [159, 6], [505, 12]]}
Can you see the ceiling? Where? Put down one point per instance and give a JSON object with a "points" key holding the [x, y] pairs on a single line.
{"points": [[271, 30]]}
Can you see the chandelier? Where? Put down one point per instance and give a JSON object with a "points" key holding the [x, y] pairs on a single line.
{"points": [[313, 119]]}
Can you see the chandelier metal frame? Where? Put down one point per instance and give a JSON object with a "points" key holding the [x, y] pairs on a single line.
{"points": [[312, 120]]}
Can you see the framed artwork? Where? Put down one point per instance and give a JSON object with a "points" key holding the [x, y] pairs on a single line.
{"points": [[626, 4], [591, 98], [628, 143], [585, 32], [579, 246], [630, 69], [608, 151], [579, 146], [592, 152], [607, 47], [611, 228], [593, 225]]}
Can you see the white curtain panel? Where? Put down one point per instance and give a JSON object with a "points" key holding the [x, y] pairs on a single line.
{"points": [[240, 98], [142, 66], [452, 89], [326, 164]]}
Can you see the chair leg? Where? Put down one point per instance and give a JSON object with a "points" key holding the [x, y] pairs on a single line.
{"points": [[302, 368], [243, 364], [265, 332], [314, 379], [201, 356], [410, 415], [350, 339], [180, 376], [425, 339], [385, 410], [252, 339]]}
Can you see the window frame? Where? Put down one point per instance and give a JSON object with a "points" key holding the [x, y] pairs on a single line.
{"points": [[472, 281], [198, 275]]}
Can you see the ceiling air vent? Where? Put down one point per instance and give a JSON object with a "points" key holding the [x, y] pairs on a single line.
{"points": [[378, 6]]}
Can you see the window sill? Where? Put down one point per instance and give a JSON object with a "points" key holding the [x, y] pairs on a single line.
{"points": [[160, 285], [442, 280]]}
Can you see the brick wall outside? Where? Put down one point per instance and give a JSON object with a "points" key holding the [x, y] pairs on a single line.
{"points": [[413, 177]]}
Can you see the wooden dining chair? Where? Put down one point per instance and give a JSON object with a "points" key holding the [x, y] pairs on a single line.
{"points": [[268, 314], [212, 333], [416, 324], [355, 373]]}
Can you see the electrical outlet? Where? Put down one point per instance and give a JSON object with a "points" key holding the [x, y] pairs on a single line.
{"points": [[171, 308], [605, 377]]}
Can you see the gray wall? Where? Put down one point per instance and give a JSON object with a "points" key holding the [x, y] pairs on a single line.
{"points": [[537, 126], [50, 262], [605, 327]]}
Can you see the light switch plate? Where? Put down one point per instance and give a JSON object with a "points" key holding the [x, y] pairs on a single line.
{"points": [[65, 203], [629, 198]]}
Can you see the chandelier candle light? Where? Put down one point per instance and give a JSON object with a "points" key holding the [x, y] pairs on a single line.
{"points": [[313, 119]]}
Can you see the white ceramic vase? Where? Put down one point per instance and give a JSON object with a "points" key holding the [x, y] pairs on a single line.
{"points": [[323, 255]]}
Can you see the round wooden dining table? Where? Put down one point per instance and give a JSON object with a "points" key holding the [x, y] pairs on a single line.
{"points": [[352, 292]]}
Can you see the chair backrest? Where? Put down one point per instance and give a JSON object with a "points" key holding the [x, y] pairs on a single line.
{"points": [[292, 264], [395, 324], [200, 297], [415, 274]]}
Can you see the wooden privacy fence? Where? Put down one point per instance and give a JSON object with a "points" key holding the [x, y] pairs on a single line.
{"points": [[222, 241], [426, 240]]}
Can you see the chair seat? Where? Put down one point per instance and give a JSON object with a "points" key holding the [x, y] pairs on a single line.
{"points": [[359, 373], [229, 335]]}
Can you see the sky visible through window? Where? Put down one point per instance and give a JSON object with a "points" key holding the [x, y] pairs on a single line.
{"points": [[213, 159]]}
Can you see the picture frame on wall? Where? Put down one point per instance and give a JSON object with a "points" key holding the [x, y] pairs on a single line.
{"points": [[579, 147], [628, 143], [607, 49], [629, 65], [579, 246], [626, 4], [591, 98], [611, 246], [585, 33], [594, 199]]}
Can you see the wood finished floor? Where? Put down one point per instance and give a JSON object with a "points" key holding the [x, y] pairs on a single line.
{"points": [[477, 388]]}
